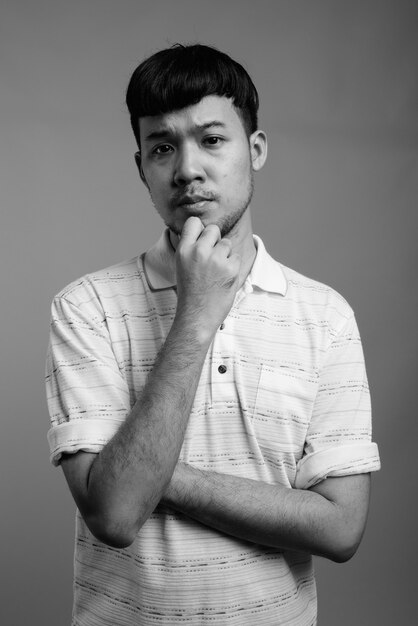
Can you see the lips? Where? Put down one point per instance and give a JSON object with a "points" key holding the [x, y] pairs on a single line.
{"points": [[192, 201]]}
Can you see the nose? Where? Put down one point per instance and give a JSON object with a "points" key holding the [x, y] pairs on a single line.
{"points": [[188, 166]]}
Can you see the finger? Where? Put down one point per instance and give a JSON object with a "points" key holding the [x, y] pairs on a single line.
{"points": [[224, 247], [210, 235], [192, 228]]}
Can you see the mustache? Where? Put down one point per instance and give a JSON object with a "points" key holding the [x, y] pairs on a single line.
{"points": [[193, 194]]}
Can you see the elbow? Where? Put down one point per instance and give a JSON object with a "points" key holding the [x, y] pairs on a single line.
{"points": [[343, 548], [342, 554], [114, 525], [117, 540], [115, 534]]}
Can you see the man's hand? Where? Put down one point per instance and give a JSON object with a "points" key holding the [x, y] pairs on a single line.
{"points": [[207, 275]]}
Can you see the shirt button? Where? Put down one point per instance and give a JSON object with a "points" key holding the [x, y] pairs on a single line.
{"points": [[222, 369], [222, 326]]}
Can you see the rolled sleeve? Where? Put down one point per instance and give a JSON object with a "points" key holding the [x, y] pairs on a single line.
{"points": [[338, 440], [87, 395], [339, 461]]}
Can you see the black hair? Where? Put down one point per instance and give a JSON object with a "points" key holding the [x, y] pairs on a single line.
{"points": [[181, 76]]}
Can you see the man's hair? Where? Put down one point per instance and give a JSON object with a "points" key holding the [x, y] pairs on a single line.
{"points": [[181, 76]]}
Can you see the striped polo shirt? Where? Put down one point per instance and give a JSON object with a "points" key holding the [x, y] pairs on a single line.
{"points": [[282, 398]]}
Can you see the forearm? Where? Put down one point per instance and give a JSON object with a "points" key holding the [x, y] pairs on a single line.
{"points": [[130, 474], [289, 519], [117, 489]]}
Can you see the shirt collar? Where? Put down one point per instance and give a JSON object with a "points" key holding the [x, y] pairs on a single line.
{"points": [[159, 267]]}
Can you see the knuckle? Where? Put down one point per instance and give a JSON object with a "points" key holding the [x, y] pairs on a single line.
{"points": [[181, 250], [199, 252], [211, 232]]}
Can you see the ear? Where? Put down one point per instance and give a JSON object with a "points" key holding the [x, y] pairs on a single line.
{"points": [[140, 170], [258, 149]]}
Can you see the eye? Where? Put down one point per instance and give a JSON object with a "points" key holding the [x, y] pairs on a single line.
{"points": [[162, 150], [213, 140]]}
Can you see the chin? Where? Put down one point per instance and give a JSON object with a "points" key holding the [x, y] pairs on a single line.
{"points": [[227, 224]]}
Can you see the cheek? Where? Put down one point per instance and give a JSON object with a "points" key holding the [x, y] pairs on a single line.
{"points": [[156, 186], [239, 171]]}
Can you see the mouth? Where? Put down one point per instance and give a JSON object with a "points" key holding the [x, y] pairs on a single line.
{"points": [[193, 203]]}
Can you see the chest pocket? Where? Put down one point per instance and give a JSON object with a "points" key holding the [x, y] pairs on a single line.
{"points": [[281, 414]]}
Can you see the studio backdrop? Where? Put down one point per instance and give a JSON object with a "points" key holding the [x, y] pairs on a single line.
{"points": [[337, 201]]}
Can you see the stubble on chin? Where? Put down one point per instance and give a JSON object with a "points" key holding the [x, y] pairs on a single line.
{"points": [[226, 223]]}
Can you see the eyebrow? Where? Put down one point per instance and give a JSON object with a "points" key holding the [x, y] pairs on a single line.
{"points": [[161, 133]]}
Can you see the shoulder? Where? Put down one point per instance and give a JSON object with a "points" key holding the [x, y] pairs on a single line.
{"points": [[120, 278], [313, 298], [300, 285], [295, 289]]}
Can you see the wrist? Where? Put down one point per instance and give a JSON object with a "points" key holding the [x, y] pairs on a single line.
{"points": [[192, 325]]}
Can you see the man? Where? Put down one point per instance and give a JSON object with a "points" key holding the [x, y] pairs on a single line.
{"points": [[209, 406]]}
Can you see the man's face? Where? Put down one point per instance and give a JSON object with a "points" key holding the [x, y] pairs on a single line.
{"points": [[199, 161]]}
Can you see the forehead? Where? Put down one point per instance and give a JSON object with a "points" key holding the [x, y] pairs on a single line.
{"points": [[211, 111]]}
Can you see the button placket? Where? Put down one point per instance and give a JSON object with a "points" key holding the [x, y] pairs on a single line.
{"points": [[221, 364], [222, 368]]}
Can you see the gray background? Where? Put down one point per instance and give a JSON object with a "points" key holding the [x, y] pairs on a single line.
{"points": [[336, 200]]}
